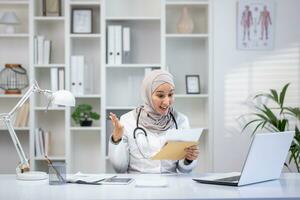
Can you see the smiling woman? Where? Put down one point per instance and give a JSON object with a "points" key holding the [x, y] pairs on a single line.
{"points": [[141, 133]]}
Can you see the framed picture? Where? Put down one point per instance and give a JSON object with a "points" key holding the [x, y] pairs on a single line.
{"points": [[192, 84], [51, 7], [82, 20], [255, 24]]}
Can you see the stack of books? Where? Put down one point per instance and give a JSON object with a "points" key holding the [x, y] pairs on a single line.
{"points": [[41, 141], [22, 116]]}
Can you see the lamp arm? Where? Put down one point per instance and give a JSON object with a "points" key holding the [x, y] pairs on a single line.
{"points": [[34, 88], [24, 165]]}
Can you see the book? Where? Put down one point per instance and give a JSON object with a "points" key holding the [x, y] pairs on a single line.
{"points": [[177, 141], [41, 141], [19, 116], [22, 116], [24, 120], [37, 143]]}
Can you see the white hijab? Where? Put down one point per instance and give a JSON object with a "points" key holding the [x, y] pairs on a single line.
{"points": [[149, 118]]}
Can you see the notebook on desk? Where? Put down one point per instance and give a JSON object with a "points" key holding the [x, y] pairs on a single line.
{"points": [[264, 162]]}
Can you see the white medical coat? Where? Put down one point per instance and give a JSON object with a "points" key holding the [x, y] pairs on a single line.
{"points": [[126, 157]]}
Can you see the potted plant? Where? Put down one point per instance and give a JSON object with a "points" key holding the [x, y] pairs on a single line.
{"points": [[278, 118], [84, 115]]}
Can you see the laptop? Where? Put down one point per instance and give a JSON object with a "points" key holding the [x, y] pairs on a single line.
{"points": [[264, 162]]}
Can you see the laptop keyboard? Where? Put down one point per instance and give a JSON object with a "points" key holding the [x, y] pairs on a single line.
{"points": [[230, 179]]}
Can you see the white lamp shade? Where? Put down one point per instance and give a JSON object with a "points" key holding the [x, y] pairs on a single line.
{"points": [[9, 18], [63, 98]]}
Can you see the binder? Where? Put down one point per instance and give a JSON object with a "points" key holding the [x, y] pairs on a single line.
{"points": [[77, 75], [40, 44], [111, 45], [54, 79], [73, 75], [61, 79], [126, 44], [47, 50], [35, 47], [80, 74], [118, 45]]}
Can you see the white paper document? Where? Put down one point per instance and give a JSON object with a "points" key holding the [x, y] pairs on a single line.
{"points": [[87, 178], [184, 135], [177, 142]]}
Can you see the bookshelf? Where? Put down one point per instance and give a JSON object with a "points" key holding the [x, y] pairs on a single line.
{"points": [[10, 46], [155, 44]]}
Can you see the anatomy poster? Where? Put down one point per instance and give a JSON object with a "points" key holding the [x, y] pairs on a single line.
{"points": [[255, 24]]}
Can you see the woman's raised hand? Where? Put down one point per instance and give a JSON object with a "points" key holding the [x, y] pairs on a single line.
{"points": [[118, 127]]}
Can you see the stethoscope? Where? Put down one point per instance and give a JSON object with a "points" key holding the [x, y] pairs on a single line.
{"points": [[140, 130]]}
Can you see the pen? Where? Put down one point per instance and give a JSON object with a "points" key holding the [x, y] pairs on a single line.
{"points": [[55, 170], [111, 177]]}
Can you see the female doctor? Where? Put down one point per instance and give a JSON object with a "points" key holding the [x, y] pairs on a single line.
{"points": [[141, 133]]}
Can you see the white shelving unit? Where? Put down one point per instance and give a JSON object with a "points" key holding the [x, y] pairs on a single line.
{"points": [[155, 44], [14, 48]]}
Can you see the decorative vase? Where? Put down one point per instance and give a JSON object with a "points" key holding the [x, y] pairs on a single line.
{"points": [[185, 23], [86, 123]]}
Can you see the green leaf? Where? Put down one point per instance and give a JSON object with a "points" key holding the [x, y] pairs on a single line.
{"points": [[274, 95], [264, 95], [270, 115], [256, 128], [282, 124], [295, 112], [282, 95], [255, 120]]}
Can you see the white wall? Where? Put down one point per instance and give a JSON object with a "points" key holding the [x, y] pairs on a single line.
{"points": [[239, 74]]}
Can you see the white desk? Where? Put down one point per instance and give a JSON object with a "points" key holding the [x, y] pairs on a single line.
{"points": [[180, 187]]}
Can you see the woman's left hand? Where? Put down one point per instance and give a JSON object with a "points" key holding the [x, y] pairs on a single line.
{"points": [[192, 152]]}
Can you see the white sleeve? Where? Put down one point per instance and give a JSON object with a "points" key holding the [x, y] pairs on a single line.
{"points": [[183, 122], [119, 153], [186, 168]]}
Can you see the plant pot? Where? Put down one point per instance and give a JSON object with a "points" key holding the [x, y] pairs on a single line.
{"points": [[86, 123]]}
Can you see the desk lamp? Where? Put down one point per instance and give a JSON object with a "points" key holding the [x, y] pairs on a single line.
{"points": [[61, 97]]}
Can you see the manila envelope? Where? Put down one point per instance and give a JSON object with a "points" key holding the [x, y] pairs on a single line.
{"points": [[173, 150]]}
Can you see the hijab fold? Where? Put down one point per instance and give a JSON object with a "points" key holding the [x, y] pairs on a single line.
{"points": [[149, 118]]}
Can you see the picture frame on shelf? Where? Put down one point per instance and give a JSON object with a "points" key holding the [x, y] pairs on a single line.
{"points": [[51, 7], [82, 20], [192, 84]]}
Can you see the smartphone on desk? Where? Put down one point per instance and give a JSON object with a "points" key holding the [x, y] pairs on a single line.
{"points": [[117, 181]]}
